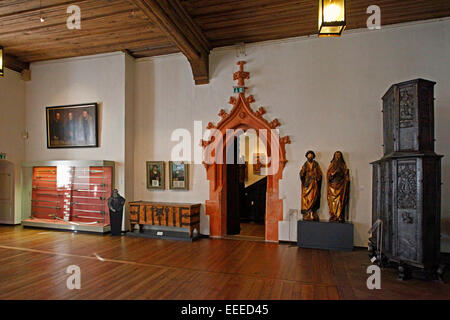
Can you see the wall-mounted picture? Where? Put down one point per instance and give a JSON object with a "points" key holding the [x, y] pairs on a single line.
{"points": [[178, 175], [155, 175], [72, 126], [259, 163]]}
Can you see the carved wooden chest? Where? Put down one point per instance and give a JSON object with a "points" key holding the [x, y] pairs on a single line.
{"points": [[175, 215], [406, 193]]}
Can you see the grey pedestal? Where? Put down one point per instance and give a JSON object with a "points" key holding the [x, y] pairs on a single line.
{"points": [[325, 235]]}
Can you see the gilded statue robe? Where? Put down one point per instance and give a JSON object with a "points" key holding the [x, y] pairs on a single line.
{"points": [[311, 178], [337, 190]]}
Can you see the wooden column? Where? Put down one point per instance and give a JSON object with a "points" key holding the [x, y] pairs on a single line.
{"points": [[15, 64], [175, 22]]}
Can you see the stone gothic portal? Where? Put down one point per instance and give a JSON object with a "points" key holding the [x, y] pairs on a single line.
{"points": [[244, 118]]}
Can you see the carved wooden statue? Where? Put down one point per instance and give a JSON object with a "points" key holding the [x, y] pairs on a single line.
{"points": [[311, 178], [338, 183]]}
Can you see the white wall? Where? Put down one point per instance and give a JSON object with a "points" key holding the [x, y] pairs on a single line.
{"points": [[129, 126], [129, 132], [12, 124], [98, 79], [326, 93], [166, 99]]}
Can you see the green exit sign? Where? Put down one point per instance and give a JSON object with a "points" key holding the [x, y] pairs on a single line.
{"points": [[238, 89]]}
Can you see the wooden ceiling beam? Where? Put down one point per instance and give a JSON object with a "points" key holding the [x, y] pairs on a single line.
{"points": [[172, 19], [154, 51], [15, 64]]}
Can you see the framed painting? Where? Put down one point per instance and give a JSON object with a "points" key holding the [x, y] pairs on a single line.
{"points": [[72, 126], [178, 175], [155, 175], [259, 164]]}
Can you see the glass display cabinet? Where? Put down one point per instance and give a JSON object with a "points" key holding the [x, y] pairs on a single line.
{"points": [[68, 195]]}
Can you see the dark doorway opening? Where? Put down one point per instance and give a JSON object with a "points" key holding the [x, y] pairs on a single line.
{"points": [[246, 197], [235, 187], [254, 209]]}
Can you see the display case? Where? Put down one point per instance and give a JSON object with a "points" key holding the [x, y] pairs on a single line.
{"points": [[68, 195]]}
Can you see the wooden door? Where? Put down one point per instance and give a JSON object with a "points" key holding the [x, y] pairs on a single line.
{"points": [[6, 192]]}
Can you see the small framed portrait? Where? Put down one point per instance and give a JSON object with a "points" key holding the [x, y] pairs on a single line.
{"points": [[178, 175], [155, 175], [72, 126], [259, 164]]}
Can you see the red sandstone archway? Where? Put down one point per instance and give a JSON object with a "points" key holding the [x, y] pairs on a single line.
{"points": [[243, 117]]}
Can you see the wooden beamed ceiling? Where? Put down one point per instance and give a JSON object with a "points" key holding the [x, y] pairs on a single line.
{"points": [[147, 28], [233, 21]]}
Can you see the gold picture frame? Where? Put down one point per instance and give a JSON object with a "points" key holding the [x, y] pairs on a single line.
{"points": [[156, 176], [178, 175]]}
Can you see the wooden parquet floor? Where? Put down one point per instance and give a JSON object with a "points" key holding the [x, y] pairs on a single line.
{"points": [[33, 265], [253, 229]]}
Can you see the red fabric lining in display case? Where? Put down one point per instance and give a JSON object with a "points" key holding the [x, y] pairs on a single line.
{"points": [[71, 195]]}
